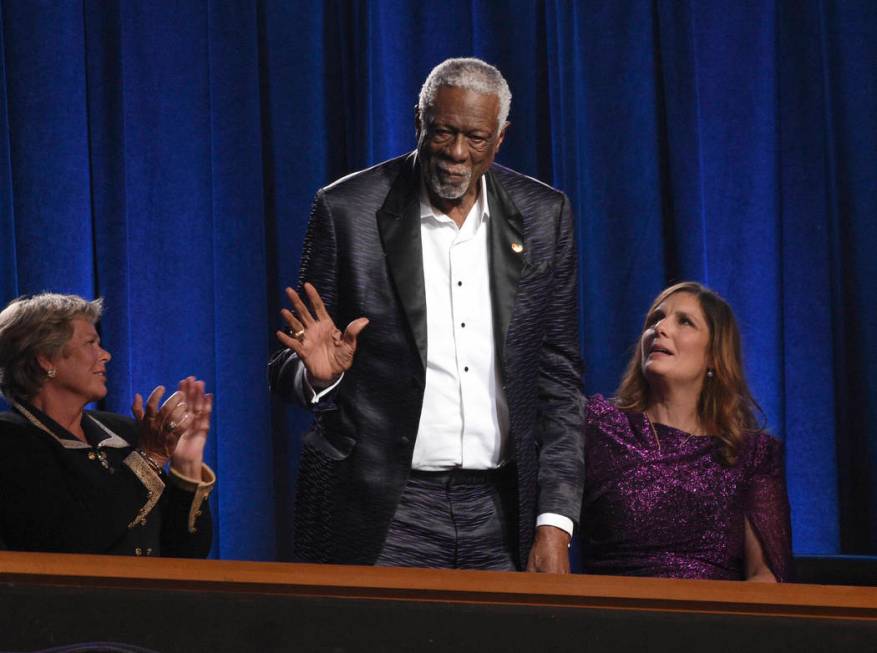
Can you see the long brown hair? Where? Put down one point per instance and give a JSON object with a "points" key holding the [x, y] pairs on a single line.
{"points": [[725, 407]]}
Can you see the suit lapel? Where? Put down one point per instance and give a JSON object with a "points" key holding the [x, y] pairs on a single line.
{"points": [[399, 227], [505, 248]]}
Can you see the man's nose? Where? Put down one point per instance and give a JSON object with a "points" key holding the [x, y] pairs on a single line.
{"points": [[458, 148]]}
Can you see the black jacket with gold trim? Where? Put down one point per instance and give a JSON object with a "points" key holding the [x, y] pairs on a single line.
{"points": [[60, 494]]}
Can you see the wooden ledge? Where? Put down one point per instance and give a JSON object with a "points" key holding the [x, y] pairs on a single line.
{"points": [[449, 586]]}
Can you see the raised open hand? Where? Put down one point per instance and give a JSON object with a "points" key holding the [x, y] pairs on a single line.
{"points": [[160, 428], [324, 350]]}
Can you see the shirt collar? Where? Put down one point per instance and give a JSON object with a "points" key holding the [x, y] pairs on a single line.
{"points": [[97, 433]]}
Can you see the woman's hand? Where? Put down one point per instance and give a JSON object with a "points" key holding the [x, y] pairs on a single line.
{"points": [[160, 428], [754, 562], [324, 350], [189, 454]]}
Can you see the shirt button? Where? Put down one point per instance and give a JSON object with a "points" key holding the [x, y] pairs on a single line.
{"points": [[463, 324], [466, 369], [459, 283]]}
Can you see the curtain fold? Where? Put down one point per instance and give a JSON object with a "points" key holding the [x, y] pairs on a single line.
{"points": [[164, 155], [46, 103], [8, 259]]}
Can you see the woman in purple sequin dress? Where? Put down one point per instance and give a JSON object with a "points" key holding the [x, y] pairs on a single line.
{"points": [[681, 482]]}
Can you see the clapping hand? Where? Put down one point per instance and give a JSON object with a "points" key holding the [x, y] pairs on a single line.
{"points": [[324, 350], [160, 428], [189, 453]]}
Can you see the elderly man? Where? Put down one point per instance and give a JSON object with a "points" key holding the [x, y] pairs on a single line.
{"points": [[449, 432]]}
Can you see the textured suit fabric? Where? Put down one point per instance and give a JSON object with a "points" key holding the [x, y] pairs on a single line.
{"points": [[447, 522], [363, 254]]}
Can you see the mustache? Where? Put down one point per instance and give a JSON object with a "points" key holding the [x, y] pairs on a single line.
{"points": [[446, 188], [454, 170]]}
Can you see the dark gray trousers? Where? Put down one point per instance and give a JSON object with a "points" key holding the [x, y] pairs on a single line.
{"points": [[459, 519]]}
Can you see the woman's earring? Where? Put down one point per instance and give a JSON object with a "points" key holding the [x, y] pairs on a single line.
{"points": [[709, 373], [51, 372]]}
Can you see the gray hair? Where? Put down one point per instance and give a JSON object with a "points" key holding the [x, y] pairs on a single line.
{"points": [[469, 73], [32, 326]]}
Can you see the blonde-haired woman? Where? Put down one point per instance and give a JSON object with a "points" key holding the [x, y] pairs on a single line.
{"points": [[681, 480], [81, 481]]}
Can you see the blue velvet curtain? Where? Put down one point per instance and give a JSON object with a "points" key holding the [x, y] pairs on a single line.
{"points": [[164, 154]]}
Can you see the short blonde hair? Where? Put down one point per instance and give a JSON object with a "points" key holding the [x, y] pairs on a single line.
{"points": [[36, 325]]}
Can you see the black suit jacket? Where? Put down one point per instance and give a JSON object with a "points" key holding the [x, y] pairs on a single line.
{"points": [[363, 254]]}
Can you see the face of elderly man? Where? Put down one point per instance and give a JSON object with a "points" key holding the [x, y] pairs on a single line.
{"points": [[457, 141]]}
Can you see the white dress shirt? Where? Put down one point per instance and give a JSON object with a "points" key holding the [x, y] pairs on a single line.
{"points": [[464, 421]]}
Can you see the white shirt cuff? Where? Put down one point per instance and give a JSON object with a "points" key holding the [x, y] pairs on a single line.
{"points": [[312, 395], [558, 521]]}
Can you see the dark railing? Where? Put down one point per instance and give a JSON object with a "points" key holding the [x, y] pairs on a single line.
{"points": [[170, 605]]}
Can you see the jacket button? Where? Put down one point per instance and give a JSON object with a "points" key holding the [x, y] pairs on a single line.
{"points": [[404, 440]]}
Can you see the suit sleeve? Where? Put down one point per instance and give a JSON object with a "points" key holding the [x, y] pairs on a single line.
{"points": [[319, 267], [561, 418], [187, 527]]}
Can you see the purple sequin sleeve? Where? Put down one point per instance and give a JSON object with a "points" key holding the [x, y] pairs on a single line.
{"points": [[767, 505]]}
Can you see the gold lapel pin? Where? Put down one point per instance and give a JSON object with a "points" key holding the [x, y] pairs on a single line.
{"points": [[517, 248]]}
